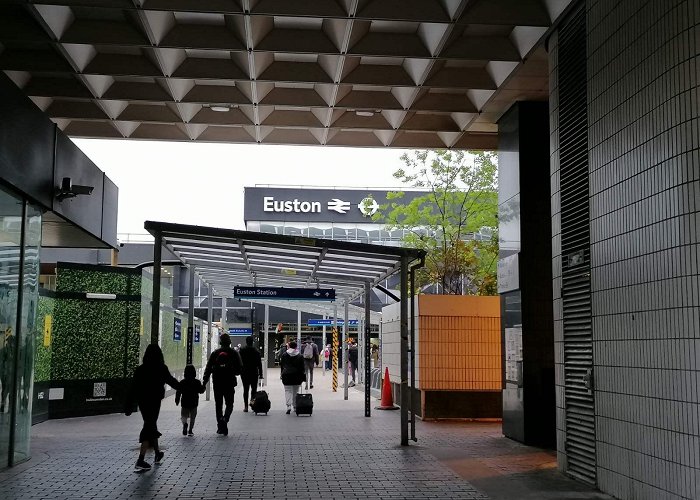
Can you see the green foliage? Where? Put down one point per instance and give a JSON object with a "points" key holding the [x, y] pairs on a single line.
{"points": [[88, 339], [461, 199], [83, 280], [42, 357], [95, 338]]}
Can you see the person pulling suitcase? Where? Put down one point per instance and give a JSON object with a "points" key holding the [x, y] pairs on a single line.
{"points": [[292, 374]]}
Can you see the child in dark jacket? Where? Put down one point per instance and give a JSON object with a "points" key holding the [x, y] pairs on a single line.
{"points": [[189, 391]]}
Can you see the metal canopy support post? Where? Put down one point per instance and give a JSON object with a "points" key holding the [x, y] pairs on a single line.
{"points": [[345, 349], [299, 329], [412, 347], [367, 351], [224, 326], [210, 329], [323, 347], [190, 317], [266, 347], [155, 301], [404, 350], [361, 332]]}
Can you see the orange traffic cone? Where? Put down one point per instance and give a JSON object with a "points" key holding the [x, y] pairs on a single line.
{"points": [[387, 397]]}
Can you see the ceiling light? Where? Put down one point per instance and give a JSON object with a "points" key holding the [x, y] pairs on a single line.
{"points": [[364, 113], [221, 108]]}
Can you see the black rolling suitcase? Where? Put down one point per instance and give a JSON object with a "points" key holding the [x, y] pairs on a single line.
{"points": [[260, 403], [304, 404]]}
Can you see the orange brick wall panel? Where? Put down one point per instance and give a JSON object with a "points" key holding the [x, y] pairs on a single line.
{"points": [[459, 343]]}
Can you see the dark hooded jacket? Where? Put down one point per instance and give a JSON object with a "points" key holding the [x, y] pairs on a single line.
{"points": [[148, 384], [292, 365], [252, 364], [190, 389]]}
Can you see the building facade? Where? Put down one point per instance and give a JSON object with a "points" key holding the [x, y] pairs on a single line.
{"points": [[51, 195]]}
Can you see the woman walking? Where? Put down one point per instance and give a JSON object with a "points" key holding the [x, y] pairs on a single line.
{"points": [[147, 391], [293, 375]]}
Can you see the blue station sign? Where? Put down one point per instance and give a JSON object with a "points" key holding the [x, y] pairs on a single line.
{"points": [[280, 293], [240, 331], [177, 330], [329, 322]]}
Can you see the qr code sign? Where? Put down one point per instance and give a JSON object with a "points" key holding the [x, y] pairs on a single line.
{"points": [[99, 390]]}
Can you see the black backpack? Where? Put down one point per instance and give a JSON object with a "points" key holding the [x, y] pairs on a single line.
{"points": [[223, 365]]}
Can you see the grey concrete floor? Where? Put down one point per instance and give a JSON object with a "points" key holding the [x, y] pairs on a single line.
{"points": [[336, 453]]}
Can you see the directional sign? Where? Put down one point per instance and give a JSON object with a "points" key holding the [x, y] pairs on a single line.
{"points": [[177, 329], [197, 334], [256, 292], [329, 322], [239, 331]]}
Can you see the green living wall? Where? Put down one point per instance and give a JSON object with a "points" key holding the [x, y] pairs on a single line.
{"points": [[95, 338], [86, 347]]}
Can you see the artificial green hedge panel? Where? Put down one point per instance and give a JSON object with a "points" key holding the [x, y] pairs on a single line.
{"points": [[42, 357], [95, 338], [83, 280], [89, 339], [133, 311]]}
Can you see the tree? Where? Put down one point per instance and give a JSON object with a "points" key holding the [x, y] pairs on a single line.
{"points": [[455, 221]]}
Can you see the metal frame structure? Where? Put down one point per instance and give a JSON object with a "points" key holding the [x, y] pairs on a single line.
{"points": [[225, 258]]}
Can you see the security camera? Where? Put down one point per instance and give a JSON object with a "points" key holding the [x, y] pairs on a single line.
{"points": [[70, 190]]}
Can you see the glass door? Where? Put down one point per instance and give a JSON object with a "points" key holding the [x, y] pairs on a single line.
{"points": [[10, 241]]}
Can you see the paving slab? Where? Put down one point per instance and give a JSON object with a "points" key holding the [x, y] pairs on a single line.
{"points": [[335, 453]]}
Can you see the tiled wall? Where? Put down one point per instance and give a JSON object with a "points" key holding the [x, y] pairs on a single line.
{"points": [[644, 135], [555, 202]]}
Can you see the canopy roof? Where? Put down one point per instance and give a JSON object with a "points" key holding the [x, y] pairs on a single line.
{"points": [[225, 258], [406, 74]]}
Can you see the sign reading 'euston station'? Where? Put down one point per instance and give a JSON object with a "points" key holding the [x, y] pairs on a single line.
{"points": [[281, 293]]}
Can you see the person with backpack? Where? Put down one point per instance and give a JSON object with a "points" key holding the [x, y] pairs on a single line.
{"points": [[189, 391], [292, 374], [224, 365], [147, 391], [310, 353], [252, 370]]}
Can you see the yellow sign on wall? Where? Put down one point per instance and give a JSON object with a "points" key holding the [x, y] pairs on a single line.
{"points": [[48, 324], [141, 329]]}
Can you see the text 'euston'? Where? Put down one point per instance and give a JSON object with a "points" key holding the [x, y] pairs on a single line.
{"points": [[272, 205]]}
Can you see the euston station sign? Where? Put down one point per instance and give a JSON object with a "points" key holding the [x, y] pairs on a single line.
{"points": [[281, 293], [315, 205]]}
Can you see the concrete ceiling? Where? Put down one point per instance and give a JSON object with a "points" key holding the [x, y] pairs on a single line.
{"points": [[396, 73]]}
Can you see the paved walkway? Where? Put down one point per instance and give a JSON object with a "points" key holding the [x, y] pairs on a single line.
{"points": [[336, 453]]}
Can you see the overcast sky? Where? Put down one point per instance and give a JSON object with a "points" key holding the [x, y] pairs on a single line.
{"points": [[197, 183]]}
